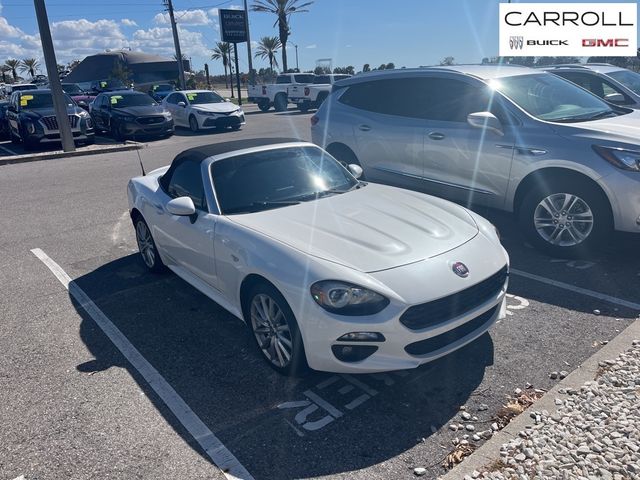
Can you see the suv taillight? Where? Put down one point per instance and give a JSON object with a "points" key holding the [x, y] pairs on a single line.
{"points": [[306, 90], [314, 120]]}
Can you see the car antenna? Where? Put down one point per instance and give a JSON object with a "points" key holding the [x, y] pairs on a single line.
{"points": [[140, 160]]}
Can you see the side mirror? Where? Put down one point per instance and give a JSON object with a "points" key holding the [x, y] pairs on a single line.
{"points": [[181, 206], [356, 170], [227, 100], [615, 98], [486, 121], [182, 104]]}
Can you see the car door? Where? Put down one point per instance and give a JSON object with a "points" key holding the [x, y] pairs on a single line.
{"points": [[102, 112], [12, 114], [388, 130], [186, 241], [461, 162], [171, 104], [181, 116]]}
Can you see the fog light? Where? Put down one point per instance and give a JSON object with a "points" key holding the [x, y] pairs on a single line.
{"points": [[31, 128], [362, 337], [353, 353]]}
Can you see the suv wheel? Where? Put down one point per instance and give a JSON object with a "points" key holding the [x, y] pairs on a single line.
{"points": [[264, 105], [281, 102], [565, 220]]}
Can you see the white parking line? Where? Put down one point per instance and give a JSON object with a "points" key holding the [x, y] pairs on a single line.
{"points": [[217, 452], [582, 291]]}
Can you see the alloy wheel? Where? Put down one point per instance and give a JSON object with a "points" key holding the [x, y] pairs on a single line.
{"points": [[271, 330], [563, 219], [145, 244]]}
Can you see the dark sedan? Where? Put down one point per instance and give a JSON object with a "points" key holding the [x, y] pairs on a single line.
{"points": [[32, 119], [4, 123], [160, 91], [82, 98], [127, 113]]}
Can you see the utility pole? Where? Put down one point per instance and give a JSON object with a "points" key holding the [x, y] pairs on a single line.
{"points": [[297, 66], [176, 42], [246, 16], [59, 103]]}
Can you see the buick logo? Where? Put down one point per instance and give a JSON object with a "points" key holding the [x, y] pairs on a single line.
{"points": [[516, 43], [460, 269]]}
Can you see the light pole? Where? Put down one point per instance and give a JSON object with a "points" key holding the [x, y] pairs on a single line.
{"points": [[296, 47]]}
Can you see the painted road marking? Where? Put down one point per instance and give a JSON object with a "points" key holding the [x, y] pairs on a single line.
{"points": [[521, 305], [217, 452], [582, 291]]}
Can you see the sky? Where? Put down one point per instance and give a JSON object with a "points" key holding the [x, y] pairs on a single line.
{"points": [[349, 32]]}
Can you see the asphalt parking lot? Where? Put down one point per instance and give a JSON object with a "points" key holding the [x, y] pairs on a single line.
{"points": [[73, 406]]}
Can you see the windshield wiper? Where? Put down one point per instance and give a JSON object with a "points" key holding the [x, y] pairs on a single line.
{"points": [[258, 206], [595, 116], [323, 193], [602, 114]]}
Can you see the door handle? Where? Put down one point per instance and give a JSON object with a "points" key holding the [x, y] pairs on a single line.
{"points": [[436, 136], [364, 128]]}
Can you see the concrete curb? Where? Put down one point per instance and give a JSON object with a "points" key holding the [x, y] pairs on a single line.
{"points": [[92, 150], [490, 450]]}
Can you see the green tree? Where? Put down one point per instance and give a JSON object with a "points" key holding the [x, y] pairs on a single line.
{"points": [[267, 49], [4, 69], [13, 65], [389, 66], [283, 9], [30, 65], [448, 61], [73, 64], [223, 52], [366, 68]]}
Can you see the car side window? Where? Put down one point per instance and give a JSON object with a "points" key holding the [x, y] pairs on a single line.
{"points": [[172, 99], [186, 181], [390, 97], [451, 100]]}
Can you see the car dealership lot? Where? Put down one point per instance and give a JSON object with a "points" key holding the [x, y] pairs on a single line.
{"points": [[73, 406]]}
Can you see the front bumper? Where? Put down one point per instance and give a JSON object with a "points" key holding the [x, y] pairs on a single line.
{"points": [[154, 129], [221, 121], [404, 347], [623, 189], [299, 100]]}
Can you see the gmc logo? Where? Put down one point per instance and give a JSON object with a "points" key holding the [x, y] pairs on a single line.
{"points": [[609, 42]]}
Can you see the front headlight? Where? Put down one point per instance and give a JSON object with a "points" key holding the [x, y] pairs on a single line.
{"points": [[620, 157], [206, 114], [347, 299]]}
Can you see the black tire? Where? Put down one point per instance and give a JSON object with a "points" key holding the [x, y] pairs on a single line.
{"points": [[264, 106], [565, 228], [281, 102], [193, 124], [150, 258], [117, 132], [346, 157], [297, 363], [304, 107], [235, 127]]}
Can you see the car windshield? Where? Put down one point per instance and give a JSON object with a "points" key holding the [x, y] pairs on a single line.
{"points": [[551, 98], [131, 100], [40, 100], [200, 98], [277, 178], [164, 87], [71, 88], [629, 79]]}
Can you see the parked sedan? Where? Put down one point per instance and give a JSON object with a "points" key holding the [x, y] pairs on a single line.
{"points": [[202, 109], [32, 119], [127, 113], [4, 122], [326, 271], [78, 95], [159, 92]]}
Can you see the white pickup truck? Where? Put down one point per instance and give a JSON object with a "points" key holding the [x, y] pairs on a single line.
{"points": [[312, 96], [276, 94]]}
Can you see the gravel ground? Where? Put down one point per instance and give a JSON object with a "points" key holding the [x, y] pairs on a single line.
{"points": [[594, 434]]}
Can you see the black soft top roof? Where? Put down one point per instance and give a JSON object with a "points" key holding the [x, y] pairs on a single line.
{"points": [[198, 154], [203, 152]]}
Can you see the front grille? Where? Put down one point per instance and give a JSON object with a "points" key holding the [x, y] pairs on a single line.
{"points": [[52, 122], [150, 120], [430, 345], [444, 309]]}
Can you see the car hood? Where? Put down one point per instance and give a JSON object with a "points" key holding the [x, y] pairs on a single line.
{"points": [[623, 128], [370, 229], [222, 107], [140, 111]]}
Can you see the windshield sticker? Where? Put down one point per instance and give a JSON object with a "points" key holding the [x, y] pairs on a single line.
{"points": [[24, 100], [192, 96], [103, 84], [115, 99]]}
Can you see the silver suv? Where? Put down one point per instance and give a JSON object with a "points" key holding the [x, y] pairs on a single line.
{"points": [[513, 138], [616, 85]]}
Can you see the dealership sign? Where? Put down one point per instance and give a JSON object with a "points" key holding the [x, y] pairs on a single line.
{"points": [[233, 26], [568, 29]]}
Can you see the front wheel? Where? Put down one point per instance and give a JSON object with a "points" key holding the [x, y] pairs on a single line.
{"points": [[276, 330], [565, 221], [281, 102], [147, 246], [193, 124], [264, 106]]}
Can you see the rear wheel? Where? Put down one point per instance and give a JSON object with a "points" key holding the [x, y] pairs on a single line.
{"points": [[565, 219], [276, 330], [147, 247], [117, 131], [281, 102], [193, 124]]}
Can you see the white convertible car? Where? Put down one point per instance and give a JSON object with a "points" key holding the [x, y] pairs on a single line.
{"points": [[328, 272]]}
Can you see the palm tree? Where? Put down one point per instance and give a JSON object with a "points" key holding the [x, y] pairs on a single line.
{"points": [[283, 9], [29, 65], [267, 49], [223, 51], [3, 71], [13, 65]]}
